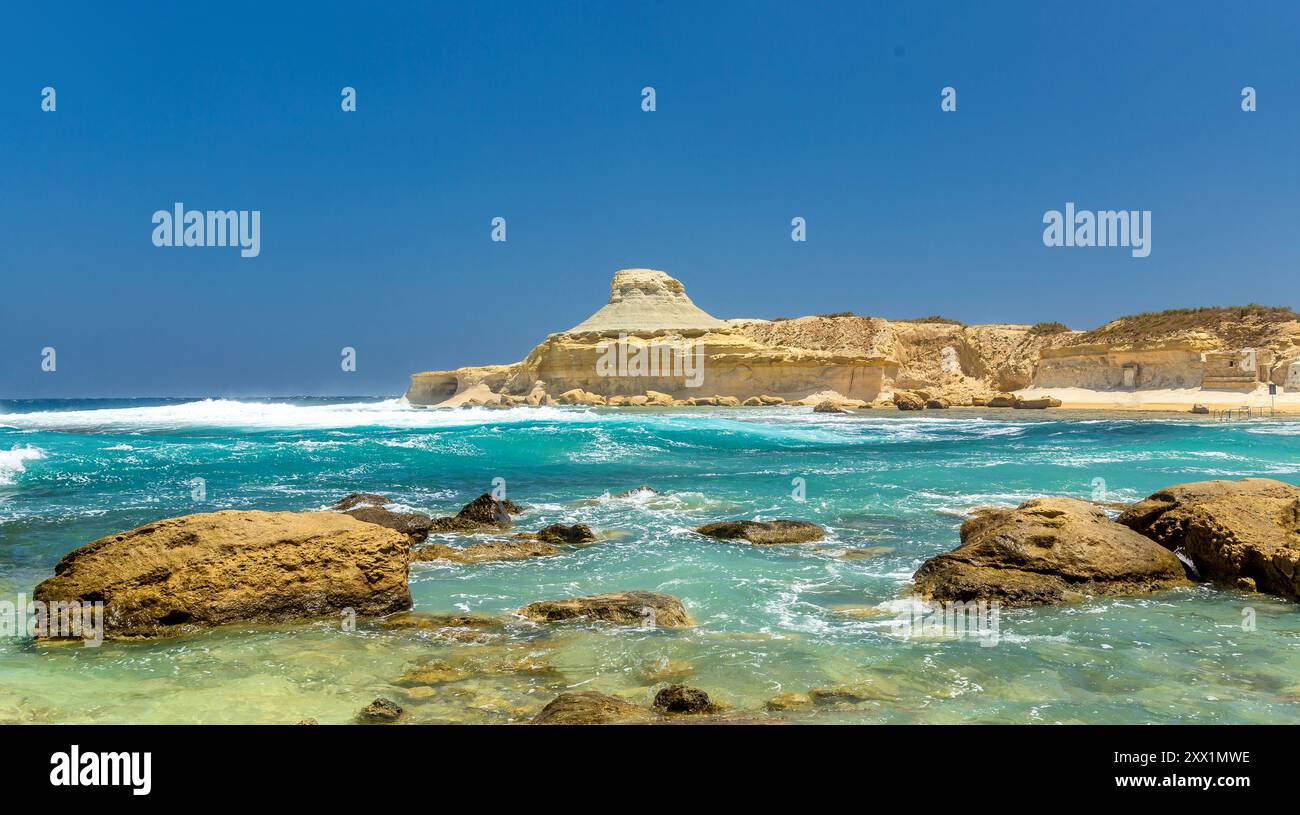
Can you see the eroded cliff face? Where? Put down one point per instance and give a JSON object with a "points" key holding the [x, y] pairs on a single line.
{"points": [[1181, 348], [650, 338]]}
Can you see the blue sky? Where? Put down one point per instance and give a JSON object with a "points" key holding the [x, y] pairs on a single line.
{"points": [[376, 224]]}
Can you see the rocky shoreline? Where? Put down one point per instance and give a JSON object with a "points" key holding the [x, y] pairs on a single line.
{"points": [[182, 576], [651, 346]]}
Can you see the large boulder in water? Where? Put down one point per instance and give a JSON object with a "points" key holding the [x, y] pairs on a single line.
{"points": [[1047, 550], [904, 400], [184, 574], [764, 532], [483, 513], [1242, 533], [589, 707], [624, 607]]}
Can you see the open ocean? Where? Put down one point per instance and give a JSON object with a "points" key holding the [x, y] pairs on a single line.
{"points": [[769, 620]]}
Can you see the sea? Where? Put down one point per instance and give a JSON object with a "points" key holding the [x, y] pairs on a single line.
{"points": [[770, 622]]}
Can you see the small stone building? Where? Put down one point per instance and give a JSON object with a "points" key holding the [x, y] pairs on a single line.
{"points": [[1240, 369], [1293, 376]]}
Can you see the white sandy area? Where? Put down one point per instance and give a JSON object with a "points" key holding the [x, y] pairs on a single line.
{"points": [[1169, 399]]}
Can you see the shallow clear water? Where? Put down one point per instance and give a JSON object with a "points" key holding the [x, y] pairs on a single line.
{"points": [[769, 620]]}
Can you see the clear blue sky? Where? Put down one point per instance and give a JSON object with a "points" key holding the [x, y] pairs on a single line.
{"points": [[375, 224]]}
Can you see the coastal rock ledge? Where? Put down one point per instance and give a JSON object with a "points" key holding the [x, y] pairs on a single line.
{"points": [[1047, 550], [1243, 533], [180, 575]]}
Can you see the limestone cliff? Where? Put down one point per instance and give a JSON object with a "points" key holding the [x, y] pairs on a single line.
{"points": [[651, 344]]}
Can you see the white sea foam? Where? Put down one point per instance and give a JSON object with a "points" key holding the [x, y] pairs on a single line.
{"points": [[12, 462], [275, 416]]}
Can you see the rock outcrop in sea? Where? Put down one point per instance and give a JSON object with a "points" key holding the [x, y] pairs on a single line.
{"points": [[1047, 550], [181, 575], [1244, 534]]}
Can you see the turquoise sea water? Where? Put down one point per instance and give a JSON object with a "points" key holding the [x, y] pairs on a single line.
{"points": [[768, 620]]}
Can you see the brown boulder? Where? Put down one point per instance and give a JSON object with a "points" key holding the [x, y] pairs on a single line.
{"points": [[1047, 550], [764, 532], [413, 525], [180, 575], [1036, 404], [827, 406], [1002, 400], [678, 698], [562, 534], [589, 707], [938, 403], [380, 711], [625, 608], [908, 401], [1242, 533], [357, 499], [484, 512]]}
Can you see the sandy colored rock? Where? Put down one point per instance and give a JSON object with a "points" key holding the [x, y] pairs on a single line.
{"points": [[1240, 533], [1002, 400], [642, 299], [180, 575], [625, 608], [1047, 550], [487, 552], [1036, 404], [426, 621], [904, 400], [764, 532], [789, 701], [827, 406], [589, 707]]}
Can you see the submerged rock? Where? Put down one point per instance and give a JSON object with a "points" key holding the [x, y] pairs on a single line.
{"points": [[380, 711], [1241, 533], [589, 707], [665, 669], [789, 701], [357, 499], [486, 552], [637, 492], [426, 621], [624, 608], [679, 698], [1047, 550], [484, 512], [180, 575], [559, 533], [764, 532], [413, 525]]}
